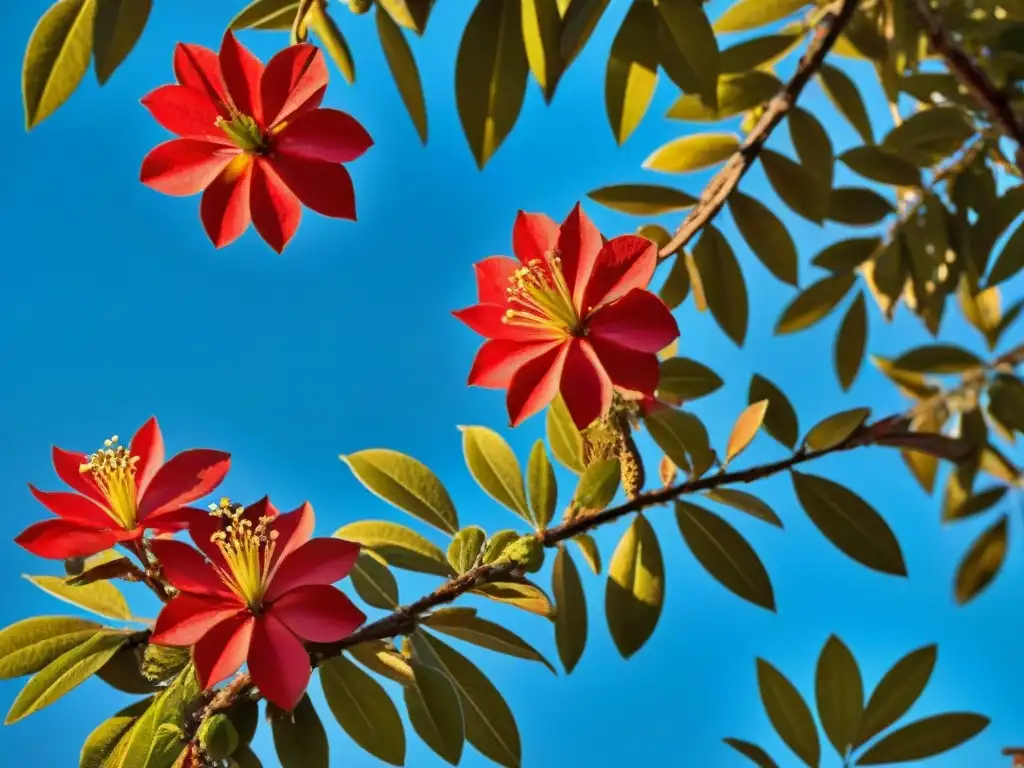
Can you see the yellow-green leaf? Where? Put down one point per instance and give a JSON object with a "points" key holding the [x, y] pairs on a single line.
{"points": [[642, 199], [674, 62], [542, 485], [767, 237], [400, 547], [846, 255], [780, 421], [374, 582], [834, 429], [981, 501], [31, 644], [411, 14], [736, 94], [589, 550], [677, 285], [797, 187], [745, 429], [632, 71], [873, 162], [498, 543], [406, 483], [938, 358], [330, 35], [688, 379], [64, 674], [435, 710], [788, 713], [117, 27], [851, 342], [266, 14], [839, 691], [490, 76], [750, 14], [379, 658], [486, 634], [1010, 260], [813, 147], [99, 597], [563, 437], [542, 28], [692, 153], [579, 18], [571, 619], [598, 484], [689, 27], [725, 289], [123, 673], [857, 206], [404, 71], [363, 709], [814, 303], [299, 736], [102, 741], [636, 587], [527, 596], [683, 438], [744, 502], [850, 523], [725, 554], [56, 58], [466, 547], [897, 692], [752, 752], [843, 93], [993, 222], [929, 135], [925, 738], [982, 563], [757, 52], [494, 466]]}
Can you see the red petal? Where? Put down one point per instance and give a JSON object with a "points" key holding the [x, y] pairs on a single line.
{"points": [[61, 539], [183, 167], [188, 570], [185, 111], [627, 368], [197, 67], [492, 278], [623, 264], [66, 464], [222, 650], [148, 445], [322, 187], [535, 384], [278, 663], [276, 211], [186, 618], [291, 78], [74, 508], [186, 477], [324, 134], [533, 235], [225, 205], [579, 242], [318, 561], [242, 73], [317, 613], [487, 320], [639, 320], [293, 530], [585, 385], [498, 360]]}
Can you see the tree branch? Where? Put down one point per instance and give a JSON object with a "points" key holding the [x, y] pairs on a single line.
{"points": [[728, 178]]}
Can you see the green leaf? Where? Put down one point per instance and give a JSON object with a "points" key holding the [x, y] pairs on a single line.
{"points": [[117, 27], [843, 93], [846, 255], [490, 76], [1010, 260], [687, 379], [100, 597], [981, 501], [632, 71], [692, 153], [757, 52], [767, 237], [590, 552], [642, 199], [850, 523], [542, 486], [814, 303], [689, 28], [723, 284], [490, 726], [542, 27], [752, 752], [31, 644], [579, 19], [494, 466], [839, 691], [56, 58], [466, 547], [565, 440], [299, 736], [676, 287], [435, 710], [851, 342], [363, 709], [938, 358], [636, 587], [598, 485], [486, 634], [103, 740], [266, 14], [406, 483], [857, 206], [796, 186], [896, 692], [380, 658], [735, 95], [333, 40], [780, 420], [788, 713], [751, 14], [982, 563], [374, 582], [498, 543], [411, 14], [400, 547], [123, 672], [873, 162], [813, 147], [244, 757], [527, 596], [683, 438], [929, 135], [64, 674], [404, 71], [744, 502], [725, 554], [993, 222], [925, 738], [571, 619], [745, 429]]}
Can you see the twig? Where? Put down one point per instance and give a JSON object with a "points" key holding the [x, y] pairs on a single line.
{"points": [[726, 180]]}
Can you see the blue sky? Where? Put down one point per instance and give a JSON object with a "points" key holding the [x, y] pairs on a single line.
{"points": [[118, 308]]}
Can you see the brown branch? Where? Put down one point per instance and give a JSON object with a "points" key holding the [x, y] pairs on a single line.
{"points": [[715, 194], [993, 101]]}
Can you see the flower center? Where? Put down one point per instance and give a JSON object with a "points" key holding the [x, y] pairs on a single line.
{"points": [[539, 297], [244, 132], [113, 469], [247, 550]]}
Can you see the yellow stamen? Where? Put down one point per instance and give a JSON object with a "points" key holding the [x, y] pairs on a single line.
{"points": [[113, 469], [247, 550], [243, 131], [539, 297]]}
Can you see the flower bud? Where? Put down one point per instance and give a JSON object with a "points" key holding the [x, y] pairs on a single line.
{"points": [[218, 737]]}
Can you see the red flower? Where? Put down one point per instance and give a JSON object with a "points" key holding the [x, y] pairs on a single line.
{"points": [[121, 492], [571, 315], [263, 588], [254, 139]]}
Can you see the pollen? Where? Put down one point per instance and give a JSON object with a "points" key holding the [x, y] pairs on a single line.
{"points": [[248, 549], [539, 297], [243, 131], [113, 469]]}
